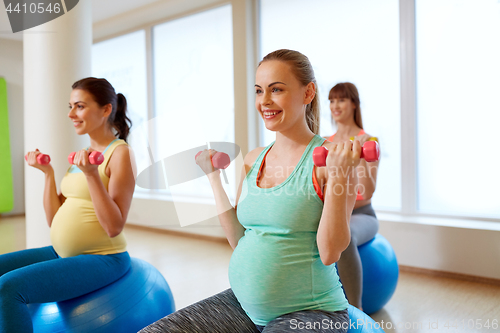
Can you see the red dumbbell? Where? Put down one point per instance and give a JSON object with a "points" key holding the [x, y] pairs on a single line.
{"points": [[95, 157], [42, 159], [370, 152], [219, 160]]}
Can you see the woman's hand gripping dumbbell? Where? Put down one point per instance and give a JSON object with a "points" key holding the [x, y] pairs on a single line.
{"points": [[95, 157], [219, 161], [370, 151], [39, 161], [42, 159]]}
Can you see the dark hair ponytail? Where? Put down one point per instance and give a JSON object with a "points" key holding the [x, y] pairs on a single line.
{"points": [[104, 94], [122, 123]]}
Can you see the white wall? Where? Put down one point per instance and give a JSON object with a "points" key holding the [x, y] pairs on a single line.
{"points": [[11, 68], [162, 214], [456, 246]]}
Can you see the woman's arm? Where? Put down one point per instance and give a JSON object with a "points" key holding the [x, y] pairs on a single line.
{"points": [[111, 206], [51, 200], [339, 198], [227, 214]]}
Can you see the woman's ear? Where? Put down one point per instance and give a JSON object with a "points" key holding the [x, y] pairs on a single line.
{"points": [[107, 110], [310, 93]]}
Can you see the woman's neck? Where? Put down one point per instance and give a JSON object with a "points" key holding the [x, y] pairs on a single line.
{"points": [[347, 130], [99, 140], [293, 139]]}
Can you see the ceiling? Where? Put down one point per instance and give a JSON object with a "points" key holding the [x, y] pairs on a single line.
{"points": [[101, 10]]}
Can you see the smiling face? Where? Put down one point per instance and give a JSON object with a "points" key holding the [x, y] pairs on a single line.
{"points": [[342, 109], [85, 113], [280, 97]]}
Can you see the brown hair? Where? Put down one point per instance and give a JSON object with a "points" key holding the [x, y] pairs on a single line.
{"points": [[348, 90], [303, 71], [104, 93]]}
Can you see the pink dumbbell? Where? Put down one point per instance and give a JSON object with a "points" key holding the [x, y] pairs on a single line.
{"points": [[42, 159], [95, 157], [219, 160], [370, 152]]}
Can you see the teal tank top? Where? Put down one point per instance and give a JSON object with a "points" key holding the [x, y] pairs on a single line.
{"points": [[276, 268]]}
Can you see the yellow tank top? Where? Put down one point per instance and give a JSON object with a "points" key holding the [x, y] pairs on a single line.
{"points": [[75, 228]]}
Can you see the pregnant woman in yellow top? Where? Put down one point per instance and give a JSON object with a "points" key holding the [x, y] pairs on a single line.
{"points": [[88, 248]]}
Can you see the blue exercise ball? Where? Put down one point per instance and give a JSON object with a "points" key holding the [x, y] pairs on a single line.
{"points": [[139, 298], [380, 273], [360, 322]]}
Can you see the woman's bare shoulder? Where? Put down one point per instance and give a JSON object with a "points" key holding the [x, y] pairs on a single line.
{"points": [[252, 155]]}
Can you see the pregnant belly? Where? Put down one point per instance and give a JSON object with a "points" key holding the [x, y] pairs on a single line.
{"points": [[269, 270], [75, 229]]}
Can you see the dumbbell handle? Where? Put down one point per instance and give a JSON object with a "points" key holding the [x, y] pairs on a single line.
{"points": [[42, 159], [219, 160], [95, 158], [370, 152]]}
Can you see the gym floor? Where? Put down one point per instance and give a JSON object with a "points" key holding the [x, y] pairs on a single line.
{"points": [[196, 268]]}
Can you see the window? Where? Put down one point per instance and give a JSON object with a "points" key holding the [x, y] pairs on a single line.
{"points": [[194, 94], [458, 80], [122, 61], [355, 41]]}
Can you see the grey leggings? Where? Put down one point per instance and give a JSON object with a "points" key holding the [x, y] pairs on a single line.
{"points": [[222, 313], [364, 226]]}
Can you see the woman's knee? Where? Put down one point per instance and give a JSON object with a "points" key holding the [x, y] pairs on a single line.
{"points": [[309, 321], [9, 287], [221, 312], [363, 228]]}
